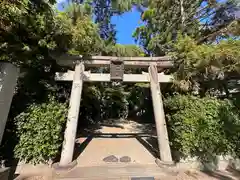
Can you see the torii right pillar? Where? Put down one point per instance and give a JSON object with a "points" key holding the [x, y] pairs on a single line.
{"points": [[162, 134]]}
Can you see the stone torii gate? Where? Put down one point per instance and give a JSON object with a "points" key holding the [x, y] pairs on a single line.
{"points": [[117, 65]]}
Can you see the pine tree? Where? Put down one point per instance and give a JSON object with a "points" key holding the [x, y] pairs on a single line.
{"points": [[164, 19]]}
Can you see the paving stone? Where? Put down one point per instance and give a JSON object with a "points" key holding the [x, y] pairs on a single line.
{"points": [[110, 158], [125, 159]]}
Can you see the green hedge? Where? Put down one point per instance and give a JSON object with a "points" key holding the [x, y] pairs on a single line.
{"points": [[202, 127], [39, 130]]}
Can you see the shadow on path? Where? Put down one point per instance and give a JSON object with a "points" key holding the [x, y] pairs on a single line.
{"points": [[79, 148], [219, 175], [149, 147], [142, 138]]}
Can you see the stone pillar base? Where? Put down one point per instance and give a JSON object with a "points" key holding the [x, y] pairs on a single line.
{"points": [[68, 167], [163, 164]]}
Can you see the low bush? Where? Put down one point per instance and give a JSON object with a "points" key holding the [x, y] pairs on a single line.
{"points": [[39, 130], [202, 127]]}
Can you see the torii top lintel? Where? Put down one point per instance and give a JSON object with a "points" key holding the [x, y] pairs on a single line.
{"points": [[133, 62]]}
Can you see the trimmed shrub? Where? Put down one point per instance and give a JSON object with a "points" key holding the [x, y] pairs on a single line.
{"points": [[202, 127], [39, 130]]}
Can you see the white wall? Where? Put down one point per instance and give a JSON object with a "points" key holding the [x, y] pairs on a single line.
{"points": [[8, 79]]}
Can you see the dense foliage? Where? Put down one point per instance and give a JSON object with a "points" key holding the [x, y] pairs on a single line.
{"points": [[26, 31], [39, 129], [207, 68], [202, 127]]}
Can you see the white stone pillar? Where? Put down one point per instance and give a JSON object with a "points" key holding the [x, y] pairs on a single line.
{"points": [[72, 120], [162, 134], [8, 80]]}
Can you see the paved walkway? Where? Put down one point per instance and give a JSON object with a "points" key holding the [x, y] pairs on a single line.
{"points": [[92, 163], [100, 148], [118, 141], [113, 172]]}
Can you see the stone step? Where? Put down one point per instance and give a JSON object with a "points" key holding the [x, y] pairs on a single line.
{"points": [[114, 172], [116, 178]]}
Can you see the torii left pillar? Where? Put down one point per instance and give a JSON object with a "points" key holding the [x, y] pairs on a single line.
{"points": [[73, 113]]}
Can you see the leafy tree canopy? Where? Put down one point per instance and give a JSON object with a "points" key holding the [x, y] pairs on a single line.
{"points": [[26, 31], [203, 20], [206, 66]]}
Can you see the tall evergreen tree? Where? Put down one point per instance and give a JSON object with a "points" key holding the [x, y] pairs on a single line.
{"points": [[164, 19], [103, 13]]}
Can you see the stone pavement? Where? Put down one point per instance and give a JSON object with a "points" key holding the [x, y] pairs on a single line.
{"points": [[126, 173], [113, 171], [100, 148], [93, 160], [108, 143]]}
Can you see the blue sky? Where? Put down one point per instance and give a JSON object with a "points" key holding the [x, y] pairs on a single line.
{"points": [[125, 25]]}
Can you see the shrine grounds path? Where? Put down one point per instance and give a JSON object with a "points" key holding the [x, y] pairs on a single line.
{"points": [[116, 151]]}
